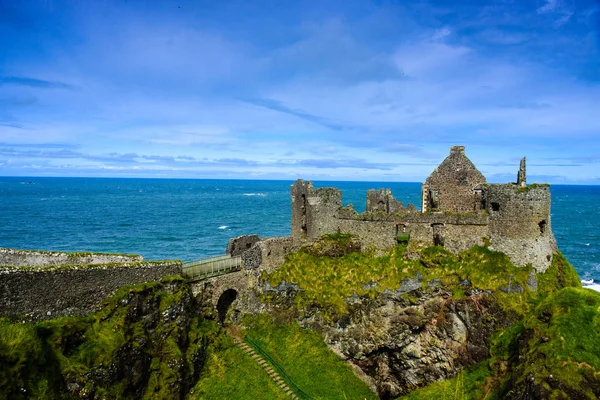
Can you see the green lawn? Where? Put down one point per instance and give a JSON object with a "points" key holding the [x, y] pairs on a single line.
{"points": [[307, 360], [467, 385], [231, 374]]}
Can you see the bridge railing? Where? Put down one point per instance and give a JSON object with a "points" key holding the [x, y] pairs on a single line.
{"points": [[213, 266]]}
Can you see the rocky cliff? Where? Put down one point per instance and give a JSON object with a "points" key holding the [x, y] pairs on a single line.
{"points": [[144, 342], [407, 324]]}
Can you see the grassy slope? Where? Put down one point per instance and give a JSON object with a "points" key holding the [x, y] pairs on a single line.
{"points": [[35, 358], [232, 374], [567, 349], [307, 360], [560, 331], [555, 346], [467, 385], [562, 344], [328, 281]]}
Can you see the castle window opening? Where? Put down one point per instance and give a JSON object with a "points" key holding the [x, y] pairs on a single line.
{"points": [[434, 199], [495, 206], [438, 234], [542, 226], [303, 225]]}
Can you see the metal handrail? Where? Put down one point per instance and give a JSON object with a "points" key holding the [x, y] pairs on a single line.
{"points": [[213, 266], [299, 392]]}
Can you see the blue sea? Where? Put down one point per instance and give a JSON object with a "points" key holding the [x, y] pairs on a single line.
{"points": [[188, 219]]}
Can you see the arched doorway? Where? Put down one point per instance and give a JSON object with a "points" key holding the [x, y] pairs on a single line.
{"points": [[225, 301]]}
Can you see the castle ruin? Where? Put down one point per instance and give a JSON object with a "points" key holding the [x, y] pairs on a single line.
{"points": [[459, 210]]}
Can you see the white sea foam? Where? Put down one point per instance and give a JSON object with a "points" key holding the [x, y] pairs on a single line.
{"points": [[595, 286], [253, 194], [223, 227], [589, 283]]}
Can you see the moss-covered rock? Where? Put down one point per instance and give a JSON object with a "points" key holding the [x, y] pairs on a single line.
{"points": [[408, 322], [145, 342], [558, 356]]}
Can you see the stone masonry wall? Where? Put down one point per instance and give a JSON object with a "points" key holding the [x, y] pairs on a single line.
{"points": [[273, 252], [45, 258], [47, 292], [520, 224], [237, 246], [382, 200], [378, 229], [453, 184]]}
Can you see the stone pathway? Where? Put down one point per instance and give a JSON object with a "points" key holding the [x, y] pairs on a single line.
{"points": [[268, 369]]}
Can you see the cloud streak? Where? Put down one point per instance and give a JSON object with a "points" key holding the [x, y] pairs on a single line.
{"points": [[34, 83]]}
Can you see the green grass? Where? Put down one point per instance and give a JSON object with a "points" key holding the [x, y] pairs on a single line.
{"points": [[533, 186], [20, 354], [333, 245], [559, 275], [561, 340], [306, 359], [37, 360], [232, 374], [557, 337], [469, 384], [328, 281]]}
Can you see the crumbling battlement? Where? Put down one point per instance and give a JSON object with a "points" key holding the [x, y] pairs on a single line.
{"points": [[459, 210], [382, 200]]}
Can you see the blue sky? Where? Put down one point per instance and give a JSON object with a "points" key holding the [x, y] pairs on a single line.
{"points": [[322, 90]]}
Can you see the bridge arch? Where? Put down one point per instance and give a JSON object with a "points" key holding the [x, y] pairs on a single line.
{"points": [[224, 303]]}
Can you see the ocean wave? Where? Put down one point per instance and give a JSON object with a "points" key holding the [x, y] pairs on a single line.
{"points": [[589, 284], [223, 227], [254, 194], [595, 287]]}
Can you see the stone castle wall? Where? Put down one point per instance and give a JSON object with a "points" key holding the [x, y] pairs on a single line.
{"points": [[513, 220], [31, 258], [47, 292], [378, 229], [237, 246]]}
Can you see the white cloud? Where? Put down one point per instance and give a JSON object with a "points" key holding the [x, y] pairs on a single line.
{"points": [[549, 6], [441, 33]]}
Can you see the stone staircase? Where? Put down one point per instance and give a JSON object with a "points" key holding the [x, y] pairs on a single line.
{"points": [[265, 365]]}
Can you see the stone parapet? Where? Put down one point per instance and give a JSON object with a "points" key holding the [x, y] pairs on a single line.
{"points": [[46, 258], [41, 292]]}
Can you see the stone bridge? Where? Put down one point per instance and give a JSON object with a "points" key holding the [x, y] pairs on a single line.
{"points": [[236, 291]]}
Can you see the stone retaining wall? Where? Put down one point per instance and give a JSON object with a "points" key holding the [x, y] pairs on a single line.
{"points": [[45, 258], [49, 291]]}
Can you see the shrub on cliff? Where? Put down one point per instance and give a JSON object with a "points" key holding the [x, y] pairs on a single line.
{"points": [[333, 245]]}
